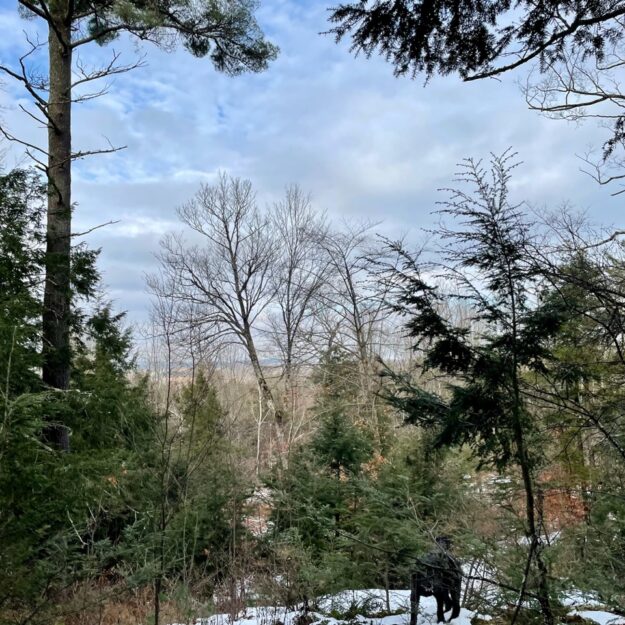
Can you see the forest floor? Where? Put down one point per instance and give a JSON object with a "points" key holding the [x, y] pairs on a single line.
{"points": [[370, 607]]}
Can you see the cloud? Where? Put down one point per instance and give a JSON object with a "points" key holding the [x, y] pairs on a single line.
{"points": [[366, 145]]}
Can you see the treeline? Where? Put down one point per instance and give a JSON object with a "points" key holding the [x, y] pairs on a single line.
{"points": [[250, 448]]}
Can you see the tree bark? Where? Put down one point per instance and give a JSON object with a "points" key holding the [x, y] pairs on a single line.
{"points": [[261, 380], [533, 531], [533, 535], [57, 295], [414, 599]]}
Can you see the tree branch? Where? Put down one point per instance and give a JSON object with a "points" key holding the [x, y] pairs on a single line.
{"points": [[555, 38]]}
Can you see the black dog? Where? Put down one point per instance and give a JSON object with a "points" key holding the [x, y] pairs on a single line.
{"points": [[439, 574]]}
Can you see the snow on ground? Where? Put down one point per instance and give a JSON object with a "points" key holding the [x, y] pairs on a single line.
{"points": [[603, 618], [373, 601], [273, 616], [576, 598], [368, 601]]}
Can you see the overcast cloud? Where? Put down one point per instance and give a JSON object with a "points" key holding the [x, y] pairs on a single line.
{"points": [[364, 144]]}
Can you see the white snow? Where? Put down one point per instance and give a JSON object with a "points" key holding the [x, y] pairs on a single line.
{"points": [[603, 618], [373, 601], [576, 598], [399, 598]]}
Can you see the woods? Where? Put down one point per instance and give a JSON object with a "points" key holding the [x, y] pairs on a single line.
{"points": [[317, 418], [263, 440]]}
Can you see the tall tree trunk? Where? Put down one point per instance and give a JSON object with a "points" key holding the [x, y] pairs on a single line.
{"points": [[56, 348], [414, 599], [289, 386], [259, 425], [57, 294], [266, 394]]}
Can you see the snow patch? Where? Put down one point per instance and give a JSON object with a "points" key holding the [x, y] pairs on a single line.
{"points": [[371, 600], [603, 618], [374, 600]]}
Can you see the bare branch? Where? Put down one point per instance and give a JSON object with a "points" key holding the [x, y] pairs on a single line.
{"points": [[84, 153], [90, 230], [9, 137], [111, 69]]}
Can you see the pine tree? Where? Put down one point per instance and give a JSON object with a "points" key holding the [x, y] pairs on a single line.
{"points": [[226, 32]]}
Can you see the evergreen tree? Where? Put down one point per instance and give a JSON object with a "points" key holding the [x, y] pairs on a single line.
{"points": [[316, 496], [470, 38], [22, 206], [581, 397], [486, 359], [62, 516]]}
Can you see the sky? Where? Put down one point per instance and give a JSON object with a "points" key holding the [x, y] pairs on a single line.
{"points": [[365, 145]]}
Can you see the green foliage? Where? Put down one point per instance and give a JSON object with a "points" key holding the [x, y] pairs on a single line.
{"points": [[22, 206], [591, 552], [22, 237], [580, 391], [482, 405], [62, 516], [68, 518], [354, 517], [203, 415], [110, 409], [193, 499], [339, 446], [469, 37], [530, 382], [226, 31], [410, 492], [314, 495], [506, 337]]}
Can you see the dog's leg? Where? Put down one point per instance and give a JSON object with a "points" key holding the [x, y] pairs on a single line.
{"points": [[455, 592], [440, 604]]}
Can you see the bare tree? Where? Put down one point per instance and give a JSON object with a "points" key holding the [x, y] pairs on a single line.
{"points": [[225, 280], [358, 310], [299, 275], [577, 87], [356, 314]]}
